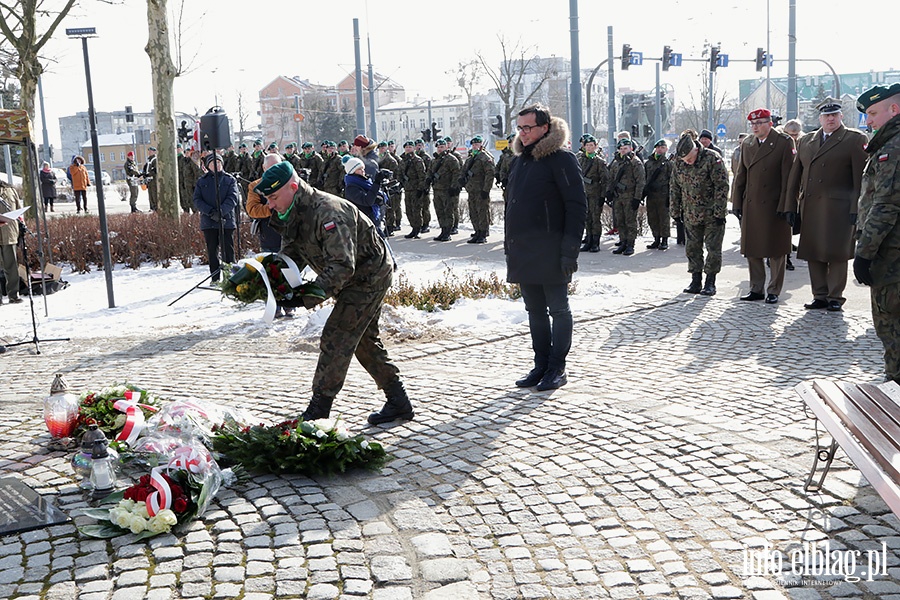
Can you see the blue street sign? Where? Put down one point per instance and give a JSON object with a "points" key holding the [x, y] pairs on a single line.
{"points": [[637, 58], [721, 130], [770, 60], [675, 59], [862, 121], [722, 60]]}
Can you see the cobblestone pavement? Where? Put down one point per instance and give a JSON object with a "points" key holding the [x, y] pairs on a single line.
{"points": [[677, 445]]}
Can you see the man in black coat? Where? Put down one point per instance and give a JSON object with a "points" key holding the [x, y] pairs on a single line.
{"points": [[545, 216]]}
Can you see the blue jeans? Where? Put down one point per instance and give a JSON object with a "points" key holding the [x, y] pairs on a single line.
{"points": [[550, 321]]}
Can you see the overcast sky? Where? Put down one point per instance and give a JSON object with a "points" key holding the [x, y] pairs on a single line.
{"points": [[232, 49]]}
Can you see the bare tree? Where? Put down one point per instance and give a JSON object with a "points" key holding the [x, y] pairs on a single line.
{"points": [[519, 65], [242, 114], [468, 76], [163, 73]]}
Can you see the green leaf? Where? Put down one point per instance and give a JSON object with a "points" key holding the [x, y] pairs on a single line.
{"points": [[101, 514], [102, 530]]}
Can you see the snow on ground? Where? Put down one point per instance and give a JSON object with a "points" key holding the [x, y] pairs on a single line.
{"points": [[142, 299]]}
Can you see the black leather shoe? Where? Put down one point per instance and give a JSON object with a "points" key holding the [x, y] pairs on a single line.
{"points": [[533, 378], [789, 265], [553, 379], [753, 296], [816, 305], [771, 299], [834, 306]]}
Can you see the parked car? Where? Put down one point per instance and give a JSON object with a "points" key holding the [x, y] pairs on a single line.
{"points": [[105, 178], [63, 186]]}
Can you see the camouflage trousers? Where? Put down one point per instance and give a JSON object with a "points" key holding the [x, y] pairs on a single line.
{"points": [[186, 199], [593, 224], [393, 214], [886, 318], [706, 233], [133, 191], [445, 208], [152, 192], [352, 329], [479, 211], [658, 215], [454, 202], [625, 219], [413, 208]]}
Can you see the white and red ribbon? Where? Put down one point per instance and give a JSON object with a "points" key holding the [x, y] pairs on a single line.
{"points": [[162, 497], [188, 459], [291, 275], [134, 421]]}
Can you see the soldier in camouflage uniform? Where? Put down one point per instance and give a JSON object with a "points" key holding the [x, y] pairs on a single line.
{"points": [[132, 175], [596, 180], [454, 192], [332, 170], [478, 178], [657, 171], [291, 155], [245, 167], [426, 200], [256, 160], [192, 172], [392, 213], [698, 195], [501, 171], [877, 262], [343, 148], [230, 160], [412, 177], [354, 267], [626, 187], [309, 159], [443, 177]]}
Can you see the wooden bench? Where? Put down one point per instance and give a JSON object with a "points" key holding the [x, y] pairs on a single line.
{"points": [[864, 420]]}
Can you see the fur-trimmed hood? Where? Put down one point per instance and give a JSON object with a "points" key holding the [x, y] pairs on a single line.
{"points": [[556, 139]]}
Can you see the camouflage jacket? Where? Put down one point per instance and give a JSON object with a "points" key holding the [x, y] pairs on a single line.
{"points": [[878, 233], [192, 174], [9, 200], [412, 173], [426, 158], [333, 174], [387, 161], [699, 192], [131, 168], [256, 165], [444, 172], [630, 184], [335, 240], [594, 175], [230, 162], [657, 172], [314, 163], [501, 171], [245, 166], [478, 172]]}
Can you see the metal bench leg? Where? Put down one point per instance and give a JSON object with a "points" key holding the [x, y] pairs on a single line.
{"points": [[826, 455]]}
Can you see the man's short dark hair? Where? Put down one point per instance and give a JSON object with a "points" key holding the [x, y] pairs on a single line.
{"points": [[541, 113]]}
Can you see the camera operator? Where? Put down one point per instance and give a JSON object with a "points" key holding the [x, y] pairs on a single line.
{"points": [[9, 238], [364, 193]]}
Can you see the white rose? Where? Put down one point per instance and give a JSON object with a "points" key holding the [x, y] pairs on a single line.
{"points": [[137, 523], [325, 425], [321, 434], [127, 505], [342, 435], [157, 525], [364, 445], [140, 509], [120, 517], [167, 516]]}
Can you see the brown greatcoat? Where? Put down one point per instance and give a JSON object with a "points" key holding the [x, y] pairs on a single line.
{"points": [[824, 183], [758, 190]]}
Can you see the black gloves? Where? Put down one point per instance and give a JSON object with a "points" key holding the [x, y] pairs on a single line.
{"points": [[738, 213], [853, 218], [720, 221], [862, 269], [791, 218], [22, 229], [485, 195], [635, 203], [568, 265], [215, 215]]}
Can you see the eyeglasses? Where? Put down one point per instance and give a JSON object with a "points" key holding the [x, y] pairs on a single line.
{"points": [[526, 128], [752, 123]]}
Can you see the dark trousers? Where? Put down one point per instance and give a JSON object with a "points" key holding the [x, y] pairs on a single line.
{"points": [[212, 249], [550, 321], [80, 196]]}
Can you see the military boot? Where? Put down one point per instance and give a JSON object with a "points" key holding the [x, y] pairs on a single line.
{"points": [[587, 243], [696, 283], [710, 288], [595, 243], [654, 245], [397, 406], [414, 234], [319, 408], [629, 249], [664, 243], [620, 248], [445, 235]]}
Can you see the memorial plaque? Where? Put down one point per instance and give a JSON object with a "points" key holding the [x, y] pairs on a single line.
{"points": [[23, 509]]}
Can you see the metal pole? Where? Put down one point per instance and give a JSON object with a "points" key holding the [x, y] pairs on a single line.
{"points": [[657, 122], [768, 67], [6, 155], [428, 126], [373, 130], [710, 124], [577, 124], [611, 109], [360, 109], [297, 111], [793, 108], [48, 156], [98, 182]]}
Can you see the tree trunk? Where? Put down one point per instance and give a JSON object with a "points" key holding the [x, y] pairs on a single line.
{"points": [[163, 74]]}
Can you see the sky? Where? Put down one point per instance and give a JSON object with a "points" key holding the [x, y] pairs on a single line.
{"points": [[231, 51]]}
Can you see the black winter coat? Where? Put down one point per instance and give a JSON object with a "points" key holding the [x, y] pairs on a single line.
{"points": [[546, 208], [48, 184], [205, 200]]}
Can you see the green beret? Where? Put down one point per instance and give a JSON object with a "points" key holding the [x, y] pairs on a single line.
{"points": [[382, 144], [343, 143], [624, 142], [408, 143], [477, 140], [660, 142], [275, 178], [290, 145], [391, 143], [152, 148], [419, 141], [331, 144], [307, 145], [273, 146], [448, 139], [586, 138], [179, 146], [243, 145], [257, 142], [876, 94], [685, 145]]}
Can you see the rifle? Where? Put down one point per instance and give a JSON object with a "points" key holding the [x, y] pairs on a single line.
{"points": [[614, 188], [653, 177]]}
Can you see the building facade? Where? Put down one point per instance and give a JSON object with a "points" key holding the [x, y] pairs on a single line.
{"points": [[75, 129]]}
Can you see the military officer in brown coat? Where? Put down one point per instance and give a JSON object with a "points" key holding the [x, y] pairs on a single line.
{"points": [[758, 190], [823, 189]]}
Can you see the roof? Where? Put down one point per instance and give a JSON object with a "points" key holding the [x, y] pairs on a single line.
{"points": [[112, 139]]}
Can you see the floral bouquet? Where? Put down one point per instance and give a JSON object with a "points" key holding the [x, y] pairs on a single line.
{"points": [[319, 447], [267, 274], [118, 409]]}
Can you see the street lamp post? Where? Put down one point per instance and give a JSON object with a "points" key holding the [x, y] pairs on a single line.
{"points": [[84, 33]]}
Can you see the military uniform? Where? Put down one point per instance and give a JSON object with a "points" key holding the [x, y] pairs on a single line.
{"points": [[230, 161], [333, 175], [149, 175], [657, 172], [132, 174], [9, 239], [192, 173], [478, 175], [245, 168], [626, 177], [444, 178], [425, 202], [596, 180], [412, 176], [393, 214], [698, 195], [501, 171], [312, 161], [877, 260]]}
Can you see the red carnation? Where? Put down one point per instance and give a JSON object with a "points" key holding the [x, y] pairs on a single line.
{"points": [[141, 495], [179, 505], [144, 480], [177, 492]]}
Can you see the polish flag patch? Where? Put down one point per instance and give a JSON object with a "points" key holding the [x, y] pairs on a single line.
{"points": [[329, 226], [883, 157]]}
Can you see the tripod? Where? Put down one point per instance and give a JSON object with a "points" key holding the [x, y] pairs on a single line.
{"points": [[34, 340]]}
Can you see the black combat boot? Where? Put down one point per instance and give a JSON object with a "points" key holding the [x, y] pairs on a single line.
{"points": [[454, 230], [587, 243], [414, 234], [425, 229], [696, 283], [595, 243], [664, 243], [620, 248], [397, 406], [319, 408], [629, 249], [710, 288], [654, 245], [445, 235]]}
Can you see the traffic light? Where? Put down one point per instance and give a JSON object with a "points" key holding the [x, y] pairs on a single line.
{"points": [[713, 57], [648, 132], [426, 135], [634, 131], [497, 128], [667, 58], [760, 59], [129, 115], [626, 56], [434, 131]]}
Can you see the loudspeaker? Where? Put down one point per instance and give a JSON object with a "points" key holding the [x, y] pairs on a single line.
{"points": [[214, 130]]}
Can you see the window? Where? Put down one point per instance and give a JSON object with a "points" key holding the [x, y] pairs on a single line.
{"points": [[440, 122], [452, 122], [102, 155], [122, 155], [422, 123], [393, 125]]}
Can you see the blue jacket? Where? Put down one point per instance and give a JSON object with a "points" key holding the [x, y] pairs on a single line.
{"points": [[205, 200]]}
